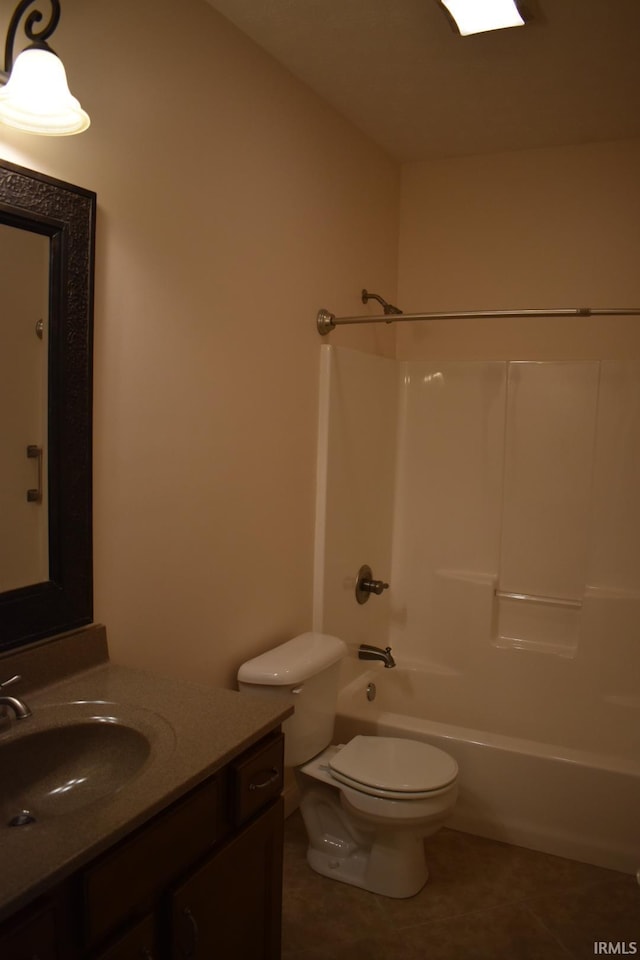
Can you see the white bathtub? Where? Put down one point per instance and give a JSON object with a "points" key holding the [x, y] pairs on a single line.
{"points": [[563, 800]]}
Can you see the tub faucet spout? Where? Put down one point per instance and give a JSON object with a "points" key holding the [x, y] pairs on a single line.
{"points": [[367, 652]]}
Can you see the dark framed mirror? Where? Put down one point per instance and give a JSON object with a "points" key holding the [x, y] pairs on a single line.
{"points": [[47, 247]]}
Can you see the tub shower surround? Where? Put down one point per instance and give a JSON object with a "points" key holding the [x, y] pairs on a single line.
{"points": [[502, 507]]}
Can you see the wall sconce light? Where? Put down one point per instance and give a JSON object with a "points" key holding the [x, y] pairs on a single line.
{"points": [[471, 16], [35, 96]]}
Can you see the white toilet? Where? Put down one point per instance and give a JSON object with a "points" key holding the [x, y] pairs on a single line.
{"points": [[366, 805]]}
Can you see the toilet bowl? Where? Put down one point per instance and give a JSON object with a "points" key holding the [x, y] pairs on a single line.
{"points": [[367, 805]]}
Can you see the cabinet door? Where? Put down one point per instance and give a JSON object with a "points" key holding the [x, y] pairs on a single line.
{"points": [[137, 944], [35, 939], [232, 905]]}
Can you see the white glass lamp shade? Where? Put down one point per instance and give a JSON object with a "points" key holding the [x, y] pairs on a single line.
{"points": [[36, 98], [472, 16]]}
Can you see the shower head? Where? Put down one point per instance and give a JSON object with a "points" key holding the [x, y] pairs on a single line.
{"points": [[388, 308]]}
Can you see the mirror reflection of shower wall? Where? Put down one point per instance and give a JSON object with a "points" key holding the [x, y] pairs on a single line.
{"points": [[24, 295]]}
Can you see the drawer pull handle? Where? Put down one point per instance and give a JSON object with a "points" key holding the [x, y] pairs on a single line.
{"points": [[274, 775]]}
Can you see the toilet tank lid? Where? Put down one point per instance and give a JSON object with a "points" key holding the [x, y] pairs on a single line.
{"points": [[294, 661]]}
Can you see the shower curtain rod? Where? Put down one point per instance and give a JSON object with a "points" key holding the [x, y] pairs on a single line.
{"points": [[326, 321]]}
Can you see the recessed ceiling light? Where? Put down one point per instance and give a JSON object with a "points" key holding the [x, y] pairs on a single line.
{"points": [[479, 16]]}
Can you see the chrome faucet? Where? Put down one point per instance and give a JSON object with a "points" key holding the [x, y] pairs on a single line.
{"points": [[367, 652], [19, 707]]}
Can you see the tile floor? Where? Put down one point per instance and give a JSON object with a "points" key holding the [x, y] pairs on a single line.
{"points": [[484, 901]]}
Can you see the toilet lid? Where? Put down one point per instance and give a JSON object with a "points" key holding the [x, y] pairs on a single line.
{"points": [[393, 765]]}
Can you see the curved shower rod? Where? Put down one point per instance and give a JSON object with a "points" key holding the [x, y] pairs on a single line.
{"points": [[326, 321]]}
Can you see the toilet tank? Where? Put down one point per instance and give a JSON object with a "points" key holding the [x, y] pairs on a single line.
{"points": [[306, 671]]}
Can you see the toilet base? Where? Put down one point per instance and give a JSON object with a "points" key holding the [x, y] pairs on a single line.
{"points": [[397, 873], [346, 848]]}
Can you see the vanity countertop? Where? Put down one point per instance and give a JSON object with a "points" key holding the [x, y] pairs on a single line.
{"points": [[193, 730]]}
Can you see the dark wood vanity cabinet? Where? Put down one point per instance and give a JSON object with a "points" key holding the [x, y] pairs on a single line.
{"points": [[201, 880]]}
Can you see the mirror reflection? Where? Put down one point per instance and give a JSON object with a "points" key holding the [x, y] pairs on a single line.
{"points": [[24, 295], [47, 246]]}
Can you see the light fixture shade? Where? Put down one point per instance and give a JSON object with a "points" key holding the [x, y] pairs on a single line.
{"points": [[36, 98], [472, 16]]}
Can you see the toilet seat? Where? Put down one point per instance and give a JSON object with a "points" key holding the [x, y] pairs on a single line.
{"points": [[393, 768]]}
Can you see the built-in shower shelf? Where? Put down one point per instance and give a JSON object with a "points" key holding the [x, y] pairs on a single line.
{"points": [[537, 624], [567, 652], [533, 598]]}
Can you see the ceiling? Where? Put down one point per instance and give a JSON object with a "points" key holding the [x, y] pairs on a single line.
{"points": [[397, 70]]}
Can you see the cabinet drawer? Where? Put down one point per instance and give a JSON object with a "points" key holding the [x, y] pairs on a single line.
{"points": [[257, 778], [127, 880]]}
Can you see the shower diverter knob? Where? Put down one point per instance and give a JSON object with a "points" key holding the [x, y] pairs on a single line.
{"points": [[366, 585], [374, 586]]}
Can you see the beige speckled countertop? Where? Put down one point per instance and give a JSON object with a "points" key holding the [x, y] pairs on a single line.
{"points": [[193, 731]]}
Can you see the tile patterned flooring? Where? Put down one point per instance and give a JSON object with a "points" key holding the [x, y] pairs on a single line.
{"points": [[484, 900]]}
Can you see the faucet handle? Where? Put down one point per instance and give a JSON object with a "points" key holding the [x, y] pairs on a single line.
{"points": [[366, 585], [7, 683]]}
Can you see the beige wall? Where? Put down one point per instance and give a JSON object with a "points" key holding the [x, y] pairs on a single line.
{"points": [[232, 205], [556, 227]]}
